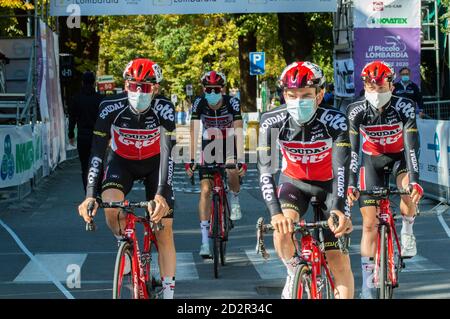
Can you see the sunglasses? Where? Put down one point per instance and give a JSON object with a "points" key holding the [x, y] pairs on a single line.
{"points": [[213, 89], [144, 87]]}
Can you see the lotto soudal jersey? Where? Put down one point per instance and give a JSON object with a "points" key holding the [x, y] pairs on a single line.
{"points": [[391, 131], [134, 136], [220, 119], [318, 150]]}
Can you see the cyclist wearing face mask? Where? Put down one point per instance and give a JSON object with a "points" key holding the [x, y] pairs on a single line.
{"points": [[141, 126], [390, 137], [222, 142], [315, 146]]}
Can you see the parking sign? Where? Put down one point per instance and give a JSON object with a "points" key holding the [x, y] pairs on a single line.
{"points": [[257, 63]]}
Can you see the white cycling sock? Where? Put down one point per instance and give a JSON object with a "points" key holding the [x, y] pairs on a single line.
{"points": [[118, 237], [291, 264], [234, 194], [408, 223], [204, 225], [368, 265], [168, 284]]}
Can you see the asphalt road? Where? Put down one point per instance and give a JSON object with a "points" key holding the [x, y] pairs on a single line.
{"points": [[45, 251]]}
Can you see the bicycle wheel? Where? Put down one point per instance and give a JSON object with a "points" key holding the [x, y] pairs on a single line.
{"points": [[216, 236], [223, 251], [302, 283], [123, 285], [326, 292], [383, 285]]}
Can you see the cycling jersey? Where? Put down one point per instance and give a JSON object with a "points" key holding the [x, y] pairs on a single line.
{"points": [[318, 150], [390, 132], [134, 137]]}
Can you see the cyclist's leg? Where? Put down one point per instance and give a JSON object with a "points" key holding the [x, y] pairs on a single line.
{"points": [[234, 185], [117, 182], [204, 208], [166, 244]]}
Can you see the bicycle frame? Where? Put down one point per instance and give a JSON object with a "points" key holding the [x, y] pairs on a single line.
{"points": [[218, 190], [141, 262], [386, 218]]}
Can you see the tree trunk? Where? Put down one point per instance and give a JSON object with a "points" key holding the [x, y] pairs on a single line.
{"points": [[247, 44], [295, 36]]}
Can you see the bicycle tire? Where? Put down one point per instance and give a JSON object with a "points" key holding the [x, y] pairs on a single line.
{"points": [[125, 249], [216, 236], [328, 292], [223, 251], [302, 283], [382, 275]]}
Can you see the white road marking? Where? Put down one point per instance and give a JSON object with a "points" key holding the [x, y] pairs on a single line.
{"points": [[185, 270], [272, 268], [37, 262], [420, 264], [442, 221]]}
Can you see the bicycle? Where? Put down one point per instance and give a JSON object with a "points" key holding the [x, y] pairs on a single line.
{"points": [[220, 222], [312, 279], [138, 283], [388, 262]]}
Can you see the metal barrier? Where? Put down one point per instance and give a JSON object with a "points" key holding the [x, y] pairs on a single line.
{"points": [[437, 110]]}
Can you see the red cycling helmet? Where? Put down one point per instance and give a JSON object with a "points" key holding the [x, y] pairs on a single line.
{"points": [[214, 78], [377, 72], [302, 74], [143, 70]]}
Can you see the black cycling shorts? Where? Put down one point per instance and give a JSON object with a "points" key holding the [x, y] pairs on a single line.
{"points": [[216, 153], [121, 173], [371, 173], [296, 195]]}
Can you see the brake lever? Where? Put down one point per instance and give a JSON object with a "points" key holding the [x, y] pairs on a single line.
{"points": [[90, 226], [260, 247], [344, 240]]}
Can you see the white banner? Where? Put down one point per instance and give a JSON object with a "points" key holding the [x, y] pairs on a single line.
{"points": [[387, 13], [344, 82], [20, 154], [139, 7], [434, 151]]}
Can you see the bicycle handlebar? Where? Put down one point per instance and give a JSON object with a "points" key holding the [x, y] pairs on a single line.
{"points": [[384, 192]]}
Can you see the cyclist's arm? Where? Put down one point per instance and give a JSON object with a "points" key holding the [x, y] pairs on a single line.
{"points": [[194, 127], [341, 167], [166, 164], [411, 143], [238, 129], [100, 142], [354, 119], [267, 162]]}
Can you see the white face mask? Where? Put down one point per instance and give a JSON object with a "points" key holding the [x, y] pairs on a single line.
{"points": [[377, 100], [140, 101]]}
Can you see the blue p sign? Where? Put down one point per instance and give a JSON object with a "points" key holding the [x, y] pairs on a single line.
{"points": [[257, 63]]}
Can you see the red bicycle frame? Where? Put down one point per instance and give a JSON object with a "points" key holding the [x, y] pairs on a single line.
{"points": [[218, 190], [141, 262], [386, 218]]}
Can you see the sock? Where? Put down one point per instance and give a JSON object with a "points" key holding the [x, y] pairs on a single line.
{"points": [[368, 266], [168, 284], [234, 194], [408, 223], [291, 264], [204, 225]]}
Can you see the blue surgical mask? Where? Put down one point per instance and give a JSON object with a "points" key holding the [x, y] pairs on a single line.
{"points": [[301, 110], [140, 101], [405, 78], [213, 98]]}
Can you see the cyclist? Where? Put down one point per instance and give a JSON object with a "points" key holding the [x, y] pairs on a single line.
{"points": [[315, 147], [140, 124], [222, 142], [388, 127]]}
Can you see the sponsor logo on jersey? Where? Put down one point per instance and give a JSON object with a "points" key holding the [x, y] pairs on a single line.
{"points": [[266, 187], [111, 108], [139, 138], [279, 117], [412, 155], [94, 170], [406, 107], [307, 152], [165, 111], [356, 110], [235, 104], [383, 134], [341, 181], [220, 122], [354, 162], [335, 120]]}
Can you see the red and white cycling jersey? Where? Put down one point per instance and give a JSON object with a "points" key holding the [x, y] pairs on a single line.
{"points": [[382, 139]]}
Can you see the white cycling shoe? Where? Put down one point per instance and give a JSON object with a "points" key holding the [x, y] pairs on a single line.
{"points": [[205, 252], [288, 289], [235, 208], [409, 248]]}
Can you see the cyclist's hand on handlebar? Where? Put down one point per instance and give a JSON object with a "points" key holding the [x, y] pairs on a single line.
{"points": [[190, 168], [416, 192], [161, 209], [83, 209], [282, 224], [345, 224], [352, 195]]}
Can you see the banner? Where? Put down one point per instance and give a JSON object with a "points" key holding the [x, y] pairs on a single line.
{"points": [[344, 84], [50, 101], [20, 154], [399, 47], [434, 158], [387, 14], [143, 7]]}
